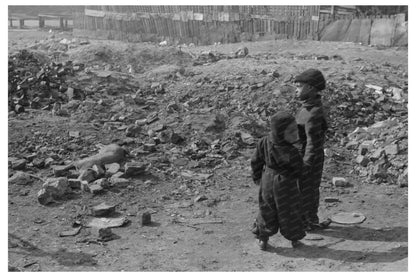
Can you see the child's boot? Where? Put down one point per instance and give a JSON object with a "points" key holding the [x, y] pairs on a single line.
{"points": [[296, 244], [263, 243]]}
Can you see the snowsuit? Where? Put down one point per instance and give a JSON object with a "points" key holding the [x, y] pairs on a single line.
{"points": [[312, 125], [277, 165]]}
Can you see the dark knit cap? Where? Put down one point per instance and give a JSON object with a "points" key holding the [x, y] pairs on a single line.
{"points": [[279, 122], [312, 77]]}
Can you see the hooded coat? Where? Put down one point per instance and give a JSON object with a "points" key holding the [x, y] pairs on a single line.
{"points": [[276, 166]]}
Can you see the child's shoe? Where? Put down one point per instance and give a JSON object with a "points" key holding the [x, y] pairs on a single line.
{"points": [[263, 244], [296, 244]]}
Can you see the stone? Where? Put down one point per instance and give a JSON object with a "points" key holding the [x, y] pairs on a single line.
{"points": [[19, 164], [392, 149], [99, 170], [133, 131], [140, 122], [49, 161], [149, 147], [331, 199], [340, 182], [365, 147], [397, 93], [200, 198], [103, 209], [53, 189], [362, 160], [62, 170], [322, 57], [376, 155], [403, 180], [38, 162], [103, 182], [111, 169], [134, 168], [276, 74], [95, 188], [74, 134], [103, 222], [146, 219], [74, 183], [176, 138], [119, 182], [20, 178], [352, 144], [88, 175], [379, 171]]}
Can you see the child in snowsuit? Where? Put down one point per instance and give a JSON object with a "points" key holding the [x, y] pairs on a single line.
{"points": [[312, 125], [276, 166]]}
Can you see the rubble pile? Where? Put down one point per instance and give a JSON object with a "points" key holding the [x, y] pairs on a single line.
{"points": [[183, 123]]}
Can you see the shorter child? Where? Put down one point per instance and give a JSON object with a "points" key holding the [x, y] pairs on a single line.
{"points": [[276, 166]]}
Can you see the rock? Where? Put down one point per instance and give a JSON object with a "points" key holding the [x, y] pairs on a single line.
{"points": [[176, 138], [397, 93], [38, 162], [19, 164], [331, 199], [217, 125], [352, 144], [340, 182], [133, 131], [94, 188], [119, 182], [103, 222], [105, 234], [140, 122], [20, 178], [247, 138], [402, 180], [99, 170], [365, 147], [376, 155], [392, 149], [74, 183], [322, 57], [241, 52], [53, 189], [146, 219], [134, 168], [88, 175], [200, 198], [103, 209], [112, 168], [49, 161], [62, 170], [362, 160], [103, 182], [74, 134], [149, 147], [379, 171], [276, 74], [376, 88]]}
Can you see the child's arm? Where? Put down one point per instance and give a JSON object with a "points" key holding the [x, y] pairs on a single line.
{"points": [[314, 138], [257, 162]]}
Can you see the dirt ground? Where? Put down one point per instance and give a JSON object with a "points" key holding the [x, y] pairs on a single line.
{"points": [[214, 234]]}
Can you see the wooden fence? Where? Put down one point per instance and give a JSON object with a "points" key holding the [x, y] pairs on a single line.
{"points": [[199, 24]]}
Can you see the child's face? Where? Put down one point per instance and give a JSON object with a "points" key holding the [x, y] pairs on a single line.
{"points": [[291, 133], [304, 91]]}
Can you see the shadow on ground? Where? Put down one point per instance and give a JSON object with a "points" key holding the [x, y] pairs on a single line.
{"points": [[61, 256]]}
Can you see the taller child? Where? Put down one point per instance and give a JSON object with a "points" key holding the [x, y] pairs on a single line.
{"points": [[312, 125]]}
